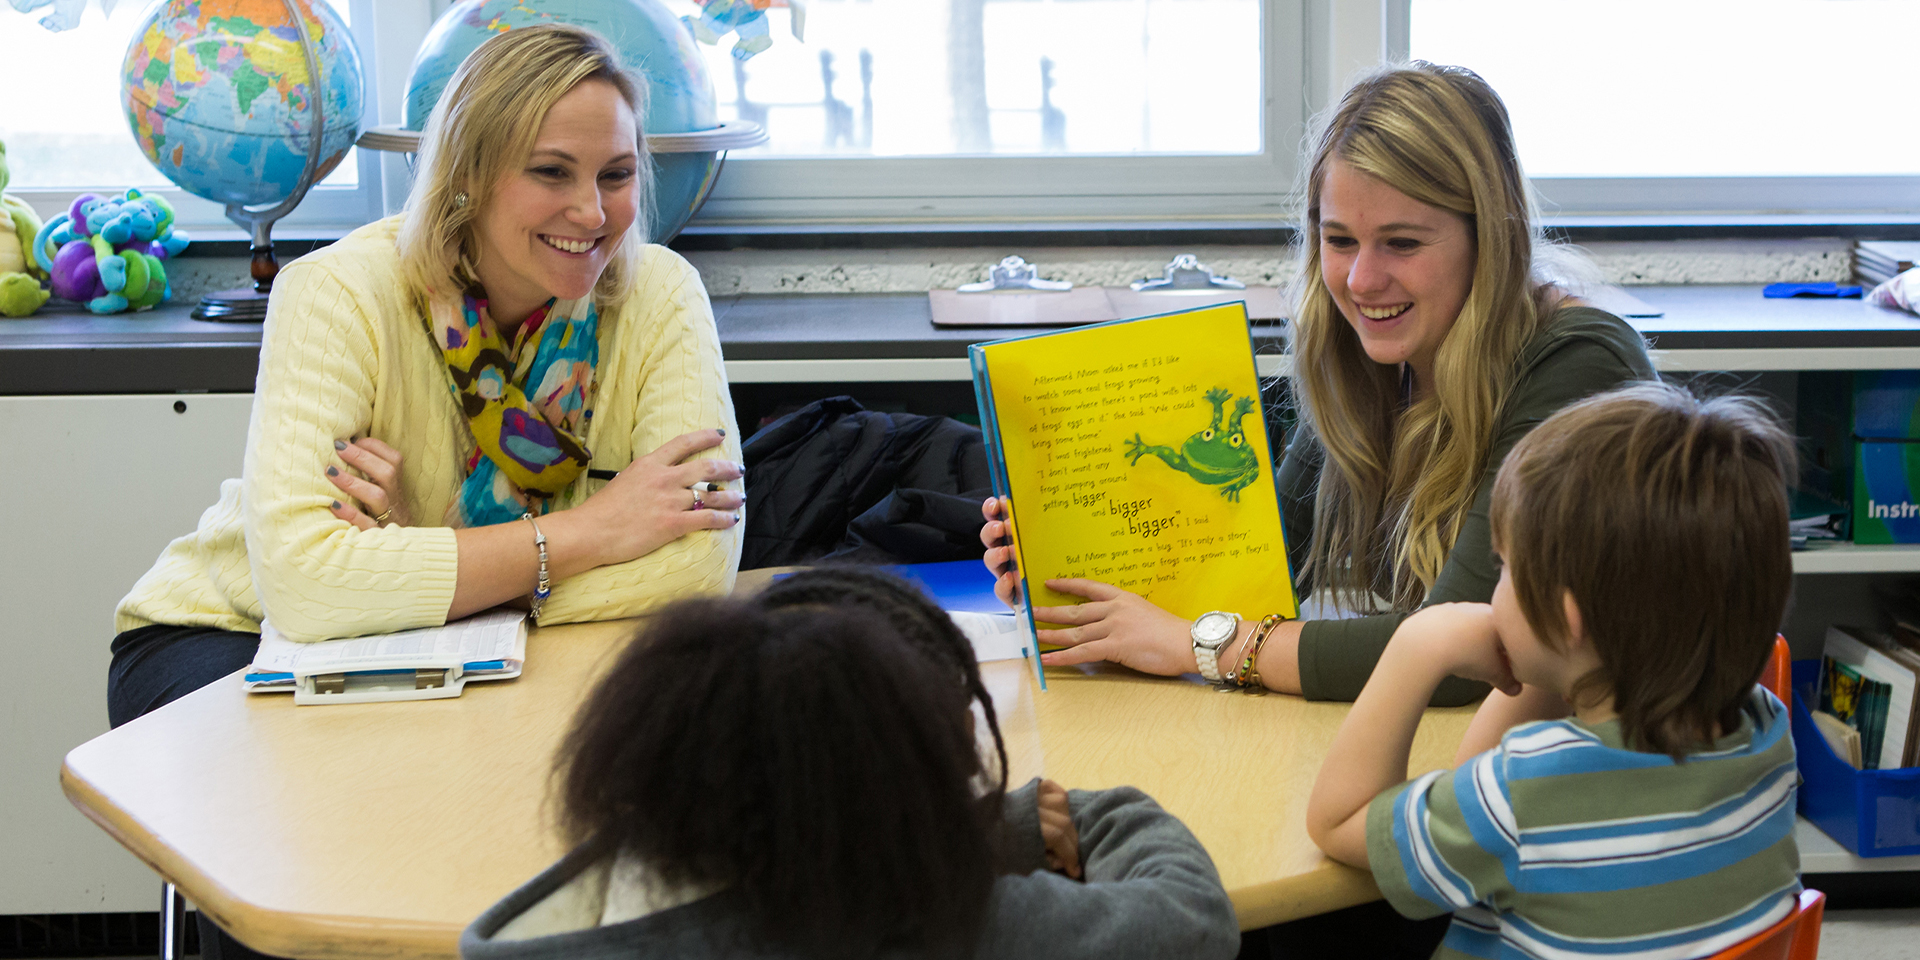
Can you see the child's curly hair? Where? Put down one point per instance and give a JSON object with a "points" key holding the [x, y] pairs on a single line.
{"points": [[810, 752]]}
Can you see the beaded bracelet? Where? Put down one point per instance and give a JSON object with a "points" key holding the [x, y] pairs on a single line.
{"points": [[544, 587], [1247, 678]]}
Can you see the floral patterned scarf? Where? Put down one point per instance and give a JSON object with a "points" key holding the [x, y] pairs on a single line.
{"points": [[527, 403]]}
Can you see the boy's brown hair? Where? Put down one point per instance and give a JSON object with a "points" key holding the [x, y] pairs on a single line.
{"points": [[1665, 516]]}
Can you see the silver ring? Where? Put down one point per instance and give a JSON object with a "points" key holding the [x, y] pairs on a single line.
{"points": [[698, 504]]}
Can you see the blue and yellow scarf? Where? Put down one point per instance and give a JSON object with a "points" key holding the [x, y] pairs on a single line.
{"points": [[528, 403]]}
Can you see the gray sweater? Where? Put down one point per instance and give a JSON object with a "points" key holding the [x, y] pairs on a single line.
{"points": [[1150, 891]]}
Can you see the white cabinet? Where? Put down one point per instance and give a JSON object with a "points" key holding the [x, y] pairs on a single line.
{"points": [[94, 487]]}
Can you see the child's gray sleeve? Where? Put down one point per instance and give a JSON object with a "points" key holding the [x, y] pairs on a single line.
{"points": [[1021, 848], [1150, 891]]}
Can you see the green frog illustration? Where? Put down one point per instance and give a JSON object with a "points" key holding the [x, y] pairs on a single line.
{"points": [[1218, 456]]}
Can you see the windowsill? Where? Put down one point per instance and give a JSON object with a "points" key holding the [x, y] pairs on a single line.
{"points": [[705, 237], [1577, 229], [234, 243], [889, 337], [1583, 229]]}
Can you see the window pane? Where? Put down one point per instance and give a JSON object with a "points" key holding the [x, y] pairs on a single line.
{"points": [[75, 136], [1676, 88], [907, 78]]}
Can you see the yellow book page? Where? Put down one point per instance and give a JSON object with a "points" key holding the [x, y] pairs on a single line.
{"points": [[1136, 455]]}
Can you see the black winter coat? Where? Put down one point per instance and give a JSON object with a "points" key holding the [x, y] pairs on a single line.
{"points": [[836, 481]]}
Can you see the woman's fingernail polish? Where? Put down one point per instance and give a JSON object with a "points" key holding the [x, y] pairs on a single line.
{"points": [[720, 430], [336, 504], [339, 444], [333, 471]]}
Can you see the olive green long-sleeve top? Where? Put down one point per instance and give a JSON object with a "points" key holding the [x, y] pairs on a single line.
{"points": [[1580, 352]]}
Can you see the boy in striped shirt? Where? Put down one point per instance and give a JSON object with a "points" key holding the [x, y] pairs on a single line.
{"points": [[1643, 805]]}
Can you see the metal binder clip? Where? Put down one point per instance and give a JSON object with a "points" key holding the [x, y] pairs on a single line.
{"points": [[1186, 272], [1013, 273]]}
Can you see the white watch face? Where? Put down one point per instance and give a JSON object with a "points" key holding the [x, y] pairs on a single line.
{"points": [[1215, 628]]}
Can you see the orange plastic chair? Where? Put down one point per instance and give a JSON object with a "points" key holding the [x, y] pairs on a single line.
{"points": [[1795, 937], [1777, 675]]}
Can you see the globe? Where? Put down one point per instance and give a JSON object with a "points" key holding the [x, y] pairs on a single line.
{"points": [[220, 99], [652, 43]]}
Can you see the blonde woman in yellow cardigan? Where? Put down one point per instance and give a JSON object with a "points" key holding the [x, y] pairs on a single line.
{"points": [[505, 363]]}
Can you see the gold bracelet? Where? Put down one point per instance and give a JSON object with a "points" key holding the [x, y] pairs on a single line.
{"points": [[1247, 678]]}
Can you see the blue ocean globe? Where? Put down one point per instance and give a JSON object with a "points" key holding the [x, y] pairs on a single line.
{"points": [[220, 98], [652, 43]]}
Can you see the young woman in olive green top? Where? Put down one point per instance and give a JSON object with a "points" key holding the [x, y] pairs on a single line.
{"points": [[1426, 342]]}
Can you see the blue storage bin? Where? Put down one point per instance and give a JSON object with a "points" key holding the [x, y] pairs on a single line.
{"points": [[1874, 813]]}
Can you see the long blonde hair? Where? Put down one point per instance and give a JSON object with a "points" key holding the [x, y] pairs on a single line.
{"points": [[1400, 473], [484, 126]]}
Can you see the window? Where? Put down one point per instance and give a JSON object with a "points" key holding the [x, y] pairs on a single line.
{"points": [[1697, 106], [1015, 110], [77, 139], [900, 110], [912, 78]]}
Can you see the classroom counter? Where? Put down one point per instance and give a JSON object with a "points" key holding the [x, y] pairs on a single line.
{"points": [[63, 350]]}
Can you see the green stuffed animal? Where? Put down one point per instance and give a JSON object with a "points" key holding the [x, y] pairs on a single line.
{"points": [[20, 276]]}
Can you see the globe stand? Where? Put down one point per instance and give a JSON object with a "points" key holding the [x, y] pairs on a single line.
{"points": [[249, 305], [246, 304]]}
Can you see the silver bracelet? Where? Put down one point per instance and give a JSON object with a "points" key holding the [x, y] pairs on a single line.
{"points": [[544, 588]]}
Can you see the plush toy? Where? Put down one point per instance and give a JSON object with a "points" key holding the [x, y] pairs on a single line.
{"points": [[106, 252], [746, 20], [20, 292]]}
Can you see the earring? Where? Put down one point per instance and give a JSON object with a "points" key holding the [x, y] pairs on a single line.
{"points": [[459, 199]]}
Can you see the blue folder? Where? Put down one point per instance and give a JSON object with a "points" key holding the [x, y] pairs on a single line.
{"points": [[956, 585]]}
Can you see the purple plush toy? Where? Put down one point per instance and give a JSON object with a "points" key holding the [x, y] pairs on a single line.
{"points": [[106, 252]]}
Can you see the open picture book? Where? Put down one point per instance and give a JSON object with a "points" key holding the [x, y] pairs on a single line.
{"points": [[1136, 453]]}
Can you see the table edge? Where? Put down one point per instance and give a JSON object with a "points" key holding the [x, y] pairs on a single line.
{"points": [[1328, 887], [278, 932]]}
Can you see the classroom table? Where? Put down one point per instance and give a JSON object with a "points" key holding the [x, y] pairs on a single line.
{"points": [[380, 830]]}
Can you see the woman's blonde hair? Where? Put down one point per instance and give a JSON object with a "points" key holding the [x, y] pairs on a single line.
{"points": [[1400, 472], [484, 127]]}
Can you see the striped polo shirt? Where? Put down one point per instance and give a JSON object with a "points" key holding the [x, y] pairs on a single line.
{"points": [[1561, 842]]}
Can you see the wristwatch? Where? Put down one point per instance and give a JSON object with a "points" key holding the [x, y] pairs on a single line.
{"points": [[1212, 631]]}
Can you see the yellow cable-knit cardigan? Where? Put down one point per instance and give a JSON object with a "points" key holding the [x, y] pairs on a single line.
{"points": [[346, 354]]}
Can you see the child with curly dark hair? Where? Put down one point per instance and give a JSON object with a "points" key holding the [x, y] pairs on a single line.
{"points": [[799, 775]]}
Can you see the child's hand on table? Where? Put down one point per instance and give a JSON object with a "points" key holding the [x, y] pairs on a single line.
{"points": [[1057, 833]]}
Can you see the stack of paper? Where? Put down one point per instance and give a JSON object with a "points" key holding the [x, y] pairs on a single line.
{"points": [[424, 664], [1877, 261]]}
